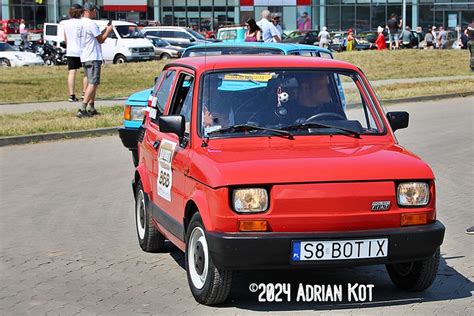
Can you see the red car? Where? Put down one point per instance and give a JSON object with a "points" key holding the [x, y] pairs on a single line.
{"points": [[270, 162]]}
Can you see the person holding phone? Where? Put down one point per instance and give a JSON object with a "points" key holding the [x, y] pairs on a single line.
{"points": [[91, 57]]}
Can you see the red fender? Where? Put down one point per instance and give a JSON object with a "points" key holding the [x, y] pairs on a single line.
{"points": [[140, 172], [199, 198]]}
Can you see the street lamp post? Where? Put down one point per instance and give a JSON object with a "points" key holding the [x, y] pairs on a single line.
{"points": [[404, 14]]}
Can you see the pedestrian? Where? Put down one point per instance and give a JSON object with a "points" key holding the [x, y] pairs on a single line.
{"points": [[393, 26], [464, 38], [3, 36], [276, 23], [72, 31], [304, 22], [269, 31], [380, 41], [406, 38], [324, 37], [429, 39], [24, 34], [470, 44], [350, 40], [435, 35], [91, 57], [442, 38], [253, 32]]}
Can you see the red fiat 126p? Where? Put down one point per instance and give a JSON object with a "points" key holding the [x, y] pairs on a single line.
{"points": [[273, 162]]}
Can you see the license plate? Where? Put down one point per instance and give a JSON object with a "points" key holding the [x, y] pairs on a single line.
{"points": [[339, 249]]}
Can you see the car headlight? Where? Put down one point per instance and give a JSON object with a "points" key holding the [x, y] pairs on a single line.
{"points": [[413, 194], [133, 50], [250, 200], [18, 57], [134, 113]]}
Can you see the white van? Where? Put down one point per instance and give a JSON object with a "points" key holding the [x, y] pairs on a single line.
{"points": [[126, 43]]}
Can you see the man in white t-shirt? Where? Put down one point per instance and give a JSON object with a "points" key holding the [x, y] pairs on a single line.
{"points": [[269, 31], [276, 23], [324, 38], [72, 33], [91, 57]]}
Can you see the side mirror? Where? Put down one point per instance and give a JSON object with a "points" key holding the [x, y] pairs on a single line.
{"points": [[172, 124], [398, 120]]}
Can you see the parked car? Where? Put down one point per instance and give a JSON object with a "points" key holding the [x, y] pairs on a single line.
{"points": [[302, 37], [163, 49], [176, 35], [231, 34], [338, 42], [263, 162], [10, 57]]}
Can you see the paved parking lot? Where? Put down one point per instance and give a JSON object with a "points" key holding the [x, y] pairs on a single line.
{"points": [[68, 243]]}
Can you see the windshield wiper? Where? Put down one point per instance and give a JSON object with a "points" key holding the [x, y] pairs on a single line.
{"points": [[306, 125], [247, 127]]}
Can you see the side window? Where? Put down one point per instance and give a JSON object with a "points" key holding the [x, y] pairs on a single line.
{"points": [[51, 30], [182, 35], [183, 98], [162, 93]]}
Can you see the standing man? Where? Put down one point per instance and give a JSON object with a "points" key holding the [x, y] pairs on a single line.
{"points": [[470, 43], [269, 31], [276, 23], [91, 57], [72, 33], [442, 38], [24, 34], [393, 26], [323, 37]]}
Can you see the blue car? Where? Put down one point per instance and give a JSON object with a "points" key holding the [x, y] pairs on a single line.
{"points": [[136, 104]]}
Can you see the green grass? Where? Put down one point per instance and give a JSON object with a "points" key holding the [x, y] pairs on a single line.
{"points": [[37, 84], [57, 121]]}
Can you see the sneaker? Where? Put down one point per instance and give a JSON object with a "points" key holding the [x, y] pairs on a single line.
{"points": [[82, 113], [470, 230], [72, 98], [93, 112]]}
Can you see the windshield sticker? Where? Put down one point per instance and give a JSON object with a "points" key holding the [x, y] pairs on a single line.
{"points": [[165, 174], [247, 77]]}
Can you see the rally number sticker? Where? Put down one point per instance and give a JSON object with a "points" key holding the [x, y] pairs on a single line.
{"points": [[165, 173]]}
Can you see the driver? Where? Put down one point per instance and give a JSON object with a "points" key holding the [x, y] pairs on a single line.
{"points": [[217, 112]]}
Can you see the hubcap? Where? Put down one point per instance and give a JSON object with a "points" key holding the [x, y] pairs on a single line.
{"points": [[140, 214], [403, 269], [198, 257]]}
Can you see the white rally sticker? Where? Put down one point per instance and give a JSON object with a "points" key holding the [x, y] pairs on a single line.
{"points": [[153, 113], [165, 174], [153, 101]]}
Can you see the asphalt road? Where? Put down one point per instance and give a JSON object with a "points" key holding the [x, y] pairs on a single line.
{"points": [[68, 242]]}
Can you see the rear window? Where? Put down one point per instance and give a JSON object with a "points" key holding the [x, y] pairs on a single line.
{"points": [[215, 51], [51, 30]]}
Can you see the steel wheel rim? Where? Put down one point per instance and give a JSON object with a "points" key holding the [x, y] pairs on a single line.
{"points": [[198, 239], [141, 214]]}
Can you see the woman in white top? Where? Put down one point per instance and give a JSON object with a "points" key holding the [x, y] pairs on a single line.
{"points": [[72, 31]]}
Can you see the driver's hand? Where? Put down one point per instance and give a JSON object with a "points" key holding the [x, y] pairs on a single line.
{"points": [[207, 118]]}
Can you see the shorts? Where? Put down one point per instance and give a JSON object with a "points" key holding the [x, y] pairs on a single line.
{"points": [[73, 62], [393, 38], [92, 71]]}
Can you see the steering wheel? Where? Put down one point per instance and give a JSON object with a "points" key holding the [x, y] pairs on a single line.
{"points": [[325, 114]]}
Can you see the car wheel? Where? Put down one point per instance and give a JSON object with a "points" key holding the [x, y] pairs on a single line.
{"points": [[165, 56], [415, 275], [208, 284], [5, 62], [149, 238], [120, 59]]}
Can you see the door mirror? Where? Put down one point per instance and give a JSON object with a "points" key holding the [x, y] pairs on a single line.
{"points": [[172, 124], [398, 120]]}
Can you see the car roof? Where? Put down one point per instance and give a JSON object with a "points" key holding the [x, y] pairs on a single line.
{"points": [[205, 63], [162, 27], [231, 28], [114, 23], [285, 47]]}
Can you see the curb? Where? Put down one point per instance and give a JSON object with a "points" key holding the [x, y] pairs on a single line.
{"points": [[25, 139]]}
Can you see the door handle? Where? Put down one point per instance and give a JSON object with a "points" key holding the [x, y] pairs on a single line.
{"points": [[156, 144]]}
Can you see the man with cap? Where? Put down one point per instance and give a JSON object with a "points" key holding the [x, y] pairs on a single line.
{"points": [[276, 23], [72, 31], [91, 57], [269, 31]]}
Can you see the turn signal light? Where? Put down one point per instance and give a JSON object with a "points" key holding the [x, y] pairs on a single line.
{"points": [[414, 219], [127, 113], [253, 226]]}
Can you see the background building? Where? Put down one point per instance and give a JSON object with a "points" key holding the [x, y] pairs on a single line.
{"points": [[206, 15]]}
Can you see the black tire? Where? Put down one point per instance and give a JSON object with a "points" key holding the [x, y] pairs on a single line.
{"points": [[165, 56], [120, 59], [149, 238], [135, 157], [215, 283], [4, 62], [414, 276]]}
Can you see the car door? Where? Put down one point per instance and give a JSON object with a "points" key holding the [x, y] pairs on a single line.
{"points": [[110, 46], [173, 157]]}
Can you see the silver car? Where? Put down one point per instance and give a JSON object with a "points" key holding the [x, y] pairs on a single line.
{"points": [[163, 49]]}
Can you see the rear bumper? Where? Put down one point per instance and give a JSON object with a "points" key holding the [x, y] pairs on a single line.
{"points": [[129, 137], [241, 251]]}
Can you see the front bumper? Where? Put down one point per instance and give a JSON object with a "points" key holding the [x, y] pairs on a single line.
{"points": [[272, 250], [141, 57], [129, 137]]}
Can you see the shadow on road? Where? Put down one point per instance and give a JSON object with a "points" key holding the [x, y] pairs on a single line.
{"points": [[449, 285]]}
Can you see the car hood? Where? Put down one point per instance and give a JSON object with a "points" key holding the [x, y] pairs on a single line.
{"points": [[293, 40], [279, 160], [139, 98], [25, 55]]}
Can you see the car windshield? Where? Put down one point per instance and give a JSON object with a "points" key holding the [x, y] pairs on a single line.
{"points": [[4, 47], [129, 31], [158, 42], [299, 102], [234, 50], [197, 35]]}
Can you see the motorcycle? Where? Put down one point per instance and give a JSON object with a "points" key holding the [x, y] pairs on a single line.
{"points": [[53, 55]]}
